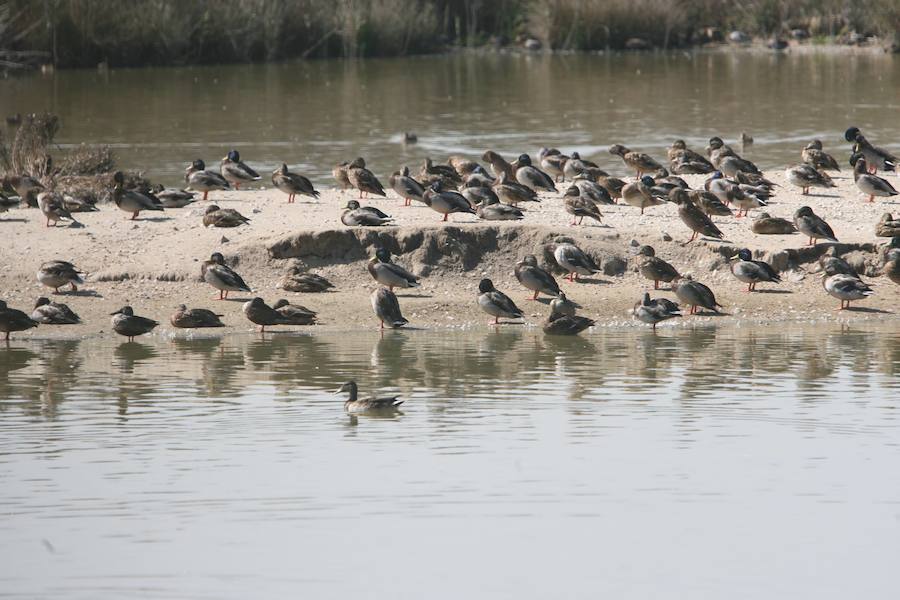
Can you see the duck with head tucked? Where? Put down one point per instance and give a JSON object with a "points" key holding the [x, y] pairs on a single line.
{"points": [[530, 176], [446, 202], [887, 226], [499, 165], [201, 179], [565, 324], [363, 179], [655, 311], [534, 278], [355, 215], [53, 313], [223, 217], [222, 277], [512, 192], [574, 260], [813, 226], [496, 303], [806, 176], [640, 195], [260, 313], [765, 224], [295, 314], [130, 325], [814, 156], [891, 268], [12, 320], [845, 288], [235, 171], [191, 318], [293, 183], [695, 294]]}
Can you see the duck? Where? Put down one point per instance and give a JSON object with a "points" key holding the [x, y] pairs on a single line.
{"points": [[709, 203], [640, 162], [223, 217], [12, 320], [564, 324], [293, 184], [387, 308], [25, 187], [654, 268], [406, 187], [496, 211], [729, 192], [193, 318], [813, 226], [131, 201], [876, 158], [532, 177], [887, 226], [80, 201], [613, 185], [639, 194], [498, 164], [363, 179], [685, 161], [53, 313], [260, 313], [845, 288], [563, 306], [496, 303], [222, 277], [58, 273], [366, 216], [817, 158], [553, 162], [592, 190], [574, 260], [871, 185], [891, 268], [752, 271], [732, 164], [446, 202], [765, 224], [534, 278], [7, 203], [445, 174], [512, 192], [755, 180], [832, 265], [340, 172], [465, 167], [295, 314], [307, 283], [479, 194], [580, 206], [355, 405], [389, 274], [695, 294], [655, 311], [805, 176], [235, 171], [576, 166], [696, 220], [54, 209], [201, 179], [130, 325], [174, 197]]}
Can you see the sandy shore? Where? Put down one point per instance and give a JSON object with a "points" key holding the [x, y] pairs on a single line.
{"points": [[153, 263]]}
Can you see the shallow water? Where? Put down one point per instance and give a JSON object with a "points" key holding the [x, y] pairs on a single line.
{"points": [[739, 462], [315, 114]]}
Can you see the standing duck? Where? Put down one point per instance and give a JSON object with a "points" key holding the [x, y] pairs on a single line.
{"points": [[406, 187], [58, 273], [496, 303], [364, 216], [693, 217], [531, 176], [53, 313], [695, 294], [580, 206], [765, 224], [574, 260], [871, 185], [201, 179], [553, 162], [235, 171], [498, 164], [389, 274], [363, 179], [814, 156], [876, 158], [752, 271], [131, 201], [223, 217], [222, 277], [513, 192], [14, 320], [192, 318], [260, 313], [387, 308], [54, 209], [845, 288], [805, 176], [813, 226], [655, 311], [356, 405], [685, 161], [128, 324], [295, 314], [709, 203], [640, 162], [534, 278], [445, 174], [639, 194], [26, 187], [446, 202], [563, 324], [340, 172], [592, 190], [654, 268], [293, 184], [576, 166]]}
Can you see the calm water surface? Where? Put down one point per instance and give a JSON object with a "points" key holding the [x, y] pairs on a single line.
{"points": [[695, 463], [315, 114]]}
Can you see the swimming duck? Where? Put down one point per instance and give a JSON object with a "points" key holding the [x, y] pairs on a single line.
{"points": [[499, 166], [445, 174], [363, 179], [574, 260], [593, 191], [654, 268], [696, 220], [639, 194], [805, 176], [576, 166], [496, 303], [340, 173], [235, 171], [752, 271], [191, 318], [563, 306], [640, 162], [174, 198], [534, 278], [295, 314], [354, 404], [222, 277], [565, 324], [14, 320], [709, 203], [406, 187], [580, 206], [887, 226], [814, 156], [513, 192], [764, 224], [532, 177], [654, 311], [260, 313], [53, 313], [871, 185], [495, 211], [446, 202], [201, 179], [366, 216], [891, 268], [58, 273], [876, 158], [223, 217], [131, 201], [53, 209], [695, 294], [389, 274], [813, 226], [293, 184], [845, 288], [387, 308], [126, 323], [308, 283]]}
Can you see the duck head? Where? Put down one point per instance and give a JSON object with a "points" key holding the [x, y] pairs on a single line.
{"points": [[646, 300], [42, 301], [485, 285], [197, 165], [404, 171], [352, 205], [744, 254], [573, 191], [233, 156], [118, 179], [576, 156], [350, 386], [618, 149], [530, 260], [125, 310], [716, 142], [217, 258], [678, 196], [803, 211], [524, 160], [211, 209], [358, 163], [435, 186], [676, 145], [852, 134], [383, 254], [646, 251], [648, 181]]}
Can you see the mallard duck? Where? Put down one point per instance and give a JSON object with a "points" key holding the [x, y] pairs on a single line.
{"points": [[654, 268], [131, 201], [696, 220], [580, 206], [363, 179], [406, 187], [24, 186], [465, 167], [613, 185], [593, 191], [655, 311], [128, 324], [845, 288], [235, 171], [755, 180], [574, 260], [58, 273], [685, 161], [532, 177], [832, 265], [223, 217], [192, 318], [174, 198], [729, 192], [479, 194], [764, 224], [553, 162], [561, 305], [576, 166], [887, 226], [499, 212], [480, 179], [308, 283], [513, 192], [752, 271], [7, 203], [80, 201], [14, 320], [871, 185], [639, 194], [695, 294], [366, 216], [666, 179], [534, 278], [260, 313], [709, 203], [499, 166], [53, 313], [813, 226], [814, 156], [563, 324], [640, 162], [201, 179], [222, 277], [353, 404], [876, 158], [446, 175], [446, 202], [733, 164], [805, 176], [295, 314], [387, 308], [293, 183], [389, 274], [496, 303], [891, 268], [340, 172], [53, 208]]}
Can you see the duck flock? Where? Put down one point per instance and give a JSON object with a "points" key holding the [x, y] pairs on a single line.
{"points": [[498, 191]]}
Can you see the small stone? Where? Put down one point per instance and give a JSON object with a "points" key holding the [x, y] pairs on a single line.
{"points": [[634, 243], [666, 237], [224, 240]]}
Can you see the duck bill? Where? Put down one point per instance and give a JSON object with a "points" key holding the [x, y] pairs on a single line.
{"points": [[118, 312]]}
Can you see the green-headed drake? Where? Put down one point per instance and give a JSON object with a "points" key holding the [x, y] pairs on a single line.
{"points": [[355, 215], [751, 272], [235, 171]]}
